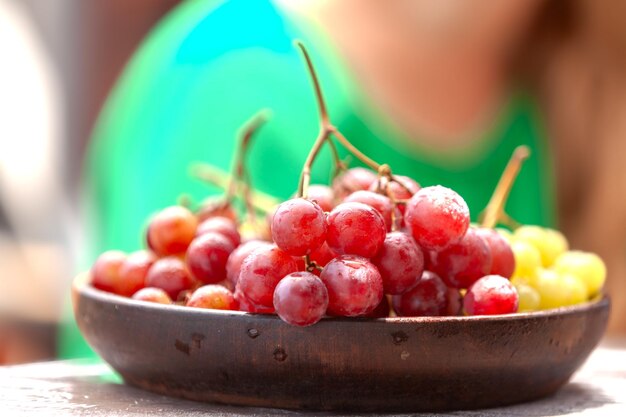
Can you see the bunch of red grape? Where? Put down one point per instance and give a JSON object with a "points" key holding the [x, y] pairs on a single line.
{"points": [[337, 252]]}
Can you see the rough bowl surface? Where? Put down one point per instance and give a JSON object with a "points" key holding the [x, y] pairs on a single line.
{"points": [[394, 364]]}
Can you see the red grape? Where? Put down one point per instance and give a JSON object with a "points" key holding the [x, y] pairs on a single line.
{"points": [[299, 226], [503, 260], [222, 225], [261, 271], [301, 299], [462, 263], [171, 275], [171, 231], [233, 265], [215, 207], [355, 287], [322, 195], [213, 296], [207, 256], [355, 229], [132, 274], [353, 180], [400, 262], [381, 203], [429, 297], [105, 272], [455, 302], [489, 295], [322, 255], [381, 311], [153, 295], [248, 306], [397, 191], [437, 217]]}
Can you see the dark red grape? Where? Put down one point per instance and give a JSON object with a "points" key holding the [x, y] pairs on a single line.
{"points": [[171, 231], [355, 287], [233, 265], [381, 311], [455, 302], [381, 203], [213, 296], [299, 226], [462, 263], [322, 195], [400, 263], [133, 272], [503, 260], [355, 229], [153, 295], [171, 275], [301, 299], [490, 295], [222, 225], [437, 217], [105, 272], [261, 271], [207, 256], [429, 297], [352, 180]]}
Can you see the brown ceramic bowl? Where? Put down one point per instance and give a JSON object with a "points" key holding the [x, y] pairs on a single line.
{"points": [[393, 364]]}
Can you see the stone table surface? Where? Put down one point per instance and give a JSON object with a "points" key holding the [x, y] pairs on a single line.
{"points": [[78, 388]]}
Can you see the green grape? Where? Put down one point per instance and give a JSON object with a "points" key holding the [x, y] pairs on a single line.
{"points": [[550, 243], [586, 266], [527, 260], [556, 290], [529, 299]]}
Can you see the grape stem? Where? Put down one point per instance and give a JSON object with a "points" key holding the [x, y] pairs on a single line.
{"points": [[219, 178], [326, 131], [494, 213]]}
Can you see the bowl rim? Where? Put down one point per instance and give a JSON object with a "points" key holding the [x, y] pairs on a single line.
{"points": [[82, 286]]}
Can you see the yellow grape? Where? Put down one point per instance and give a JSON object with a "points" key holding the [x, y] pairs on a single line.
{"points": [[550, 243], [558, 290], [529, 299], [586, 266], [527, 260]]}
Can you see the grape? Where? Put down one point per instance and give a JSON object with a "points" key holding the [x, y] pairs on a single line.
{"points": [[550, 243], [381, 203], [397, 191], [215, 207], [503, 260], [248, 306], [323, 195], [207, 256], [556, 290], [429, 297], [490, 295], [221, 225], [381, 311], [353, 180], [171, 231], [170, 275], [455, 302], [462, 263], [299, 226], [322, 255], [355, 287], [105, 272], [587, 267], [400, 263], [527, 260], [261, 271], [213, 296], [132, 274], [152, 294], [301, 299], [355, 229], [437, 217], [233, 265], [529, 299]]}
